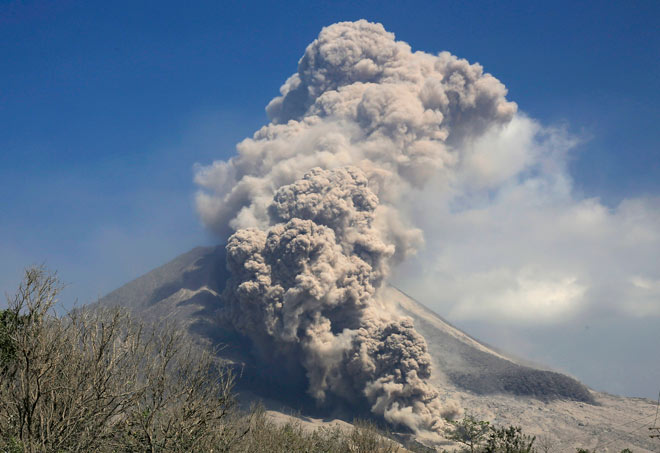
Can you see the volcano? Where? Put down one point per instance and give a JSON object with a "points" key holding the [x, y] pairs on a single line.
{"points": [[481, 379]]}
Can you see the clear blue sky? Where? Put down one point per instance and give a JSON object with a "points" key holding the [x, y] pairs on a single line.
{"points": [[106, 106]]}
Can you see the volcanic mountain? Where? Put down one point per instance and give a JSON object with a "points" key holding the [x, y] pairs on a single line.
{"points": [[484, 381]]}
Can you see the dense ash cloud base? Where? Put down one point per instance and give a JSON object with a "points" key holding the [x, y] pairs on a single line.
{"points": [[305, 287]]}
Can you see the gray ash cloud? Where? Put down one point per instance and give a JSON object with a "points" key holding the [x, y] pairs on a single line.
{"points": [[359, 98], [306, 287], [314, 205]]}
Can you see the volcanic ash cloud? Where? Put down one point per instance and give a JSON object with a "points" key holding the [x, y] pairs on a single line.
{"points": [[305, 287], [315, 204], [359, 98]]}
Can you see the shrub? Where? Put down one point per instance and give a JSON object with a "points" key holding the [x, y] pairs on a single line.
{"points": [[509, 440], [97, 380], [267, 436], [480, 436]]}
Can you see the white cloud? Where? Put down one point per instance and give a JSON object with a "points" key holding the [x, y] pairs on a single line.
{"points": [[522, 296], [509, 240]]}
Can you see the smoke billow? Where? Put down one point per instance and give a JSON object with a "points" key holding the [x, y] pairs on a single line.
{"points": [[306, 287], [315, 204], [362, 99]]}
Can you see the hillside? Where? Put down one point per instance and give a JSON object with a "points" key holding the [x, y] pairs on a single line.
{"points": [[473, 375]]}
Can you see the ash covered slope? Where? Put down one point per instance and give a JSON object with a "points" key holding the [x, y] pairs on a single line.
{"points": [[187, 290], [470, 365]]}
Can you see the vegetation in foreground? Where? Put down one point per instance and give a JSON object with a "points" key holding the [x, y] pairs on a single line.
{"points": [[98, 380]]}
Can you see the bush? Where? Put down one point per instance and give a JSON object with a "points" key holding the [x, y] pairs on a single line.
{"points": [[97, 380], [267, 436], [509, 440], [469, 431], [480, 436]]}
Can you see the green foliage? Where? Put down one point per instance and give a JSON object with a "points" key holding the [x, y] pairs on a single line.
{"points": [[469, 431], [10, 323], [480, 436], [12, 445], [509, 440]]}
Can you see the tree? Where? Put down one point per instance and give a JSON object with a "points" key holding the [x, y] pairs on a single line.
{"points": [[469, 431], [509, 440], [98, 380], [10, 323]]}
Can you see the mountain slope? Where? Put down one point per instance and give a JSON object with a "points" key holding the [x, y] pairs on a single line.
{"points": [[188, 289], [471, 365]]}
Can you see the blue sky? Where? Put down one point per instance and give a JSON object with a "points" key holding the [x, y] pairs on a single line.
{"points": [[105, 107]]}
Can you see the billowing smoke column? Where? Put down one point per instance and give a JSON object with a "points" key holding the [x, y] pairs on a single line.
{"points": [[314, 201], [359, 98], [306, 287]]}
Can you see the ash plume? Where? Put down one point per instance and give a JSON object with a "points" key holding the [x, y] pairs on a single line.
{"points": [[314, 205], [359, 98], [306, 287]]}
